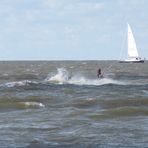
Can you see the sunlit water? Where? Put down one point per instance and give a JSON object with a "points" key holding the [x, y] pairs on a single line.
{"points": [[64, 104]]}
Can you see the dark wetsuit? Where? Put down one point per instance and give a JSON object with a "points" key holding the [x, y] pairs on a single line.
{"points": [[99, 74]]}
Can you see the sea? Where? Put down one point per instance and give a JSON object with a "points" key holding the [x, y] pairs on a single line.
{"points": [[63, 104]]}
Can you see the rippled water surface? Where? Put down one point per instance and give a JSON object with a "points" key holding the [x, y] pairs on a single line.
{"points": [[64, 104]]}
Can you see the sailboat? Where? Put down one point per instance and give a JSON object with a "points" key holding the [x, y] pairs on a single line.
{"points": [[133, 56]]}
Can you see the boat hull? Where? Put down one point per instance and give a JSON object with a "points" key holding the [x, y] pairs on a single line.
{"points": [[140, 61]]}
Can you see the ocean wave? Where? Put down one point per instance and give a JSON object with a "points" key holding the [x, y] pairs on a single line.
{"points": [[85, 81], [30, 104], [119, 112], [18, 83], [128, 111], [7, 105], [64, 77]]}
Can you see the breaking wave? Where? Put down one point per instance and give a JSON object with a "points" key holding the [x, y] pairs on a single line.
{"points": [[64, 77], [13, 105], [30, 104], [18, 83], [61, 77]]}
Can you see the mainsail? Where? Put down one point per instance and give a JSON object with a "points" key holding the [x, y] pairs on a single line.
{"points": [[132, 49]]}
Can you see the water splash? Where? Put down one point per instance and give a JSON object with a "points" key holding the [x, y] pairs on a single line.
{"points": [[63, 77], [85, 81]]}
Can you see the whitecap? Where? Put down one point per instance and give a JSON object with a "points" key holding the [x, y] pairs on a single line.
{"points": [[6, 74], [17, 83], [61, 77], [85, 81], [32, 104]]}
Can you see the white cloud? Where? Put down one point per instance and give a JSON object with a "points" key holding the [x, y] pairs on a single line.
{"points": [[98, 6], [70, 6], [53, 4], [49, 3], [68, 30], [131, 2], [83, 7]]}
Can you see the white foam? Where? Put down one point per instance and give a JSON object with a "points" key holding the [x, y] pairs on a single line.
{"points": [[32, 104], [63, 77], [5, 74], [86, 81], [17, 83]]}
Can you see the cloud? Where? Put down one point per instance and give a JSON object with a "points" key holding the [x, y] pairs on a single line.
{"points": [[131, 2], [70, 6], [53, 4]]}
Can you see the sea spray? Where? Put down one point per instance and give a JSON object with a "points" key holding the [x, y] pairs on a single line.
{"points": [[63, 77]]}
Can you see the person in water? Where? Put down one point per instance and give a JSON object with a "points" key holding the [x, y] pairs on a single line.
{"points": [[99, 73]]}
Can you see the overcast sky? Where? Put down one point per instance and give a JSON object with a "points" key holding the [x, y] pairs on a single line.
{"points": [[70, 29]]}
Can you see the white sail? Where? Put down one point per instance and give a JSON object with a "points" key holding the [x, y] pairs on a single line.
{"points": [[132, 49], [133, 56]]}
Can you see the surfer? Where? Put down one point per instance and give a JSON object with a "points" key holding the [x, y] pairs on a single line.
{"points": [[99, 73]]}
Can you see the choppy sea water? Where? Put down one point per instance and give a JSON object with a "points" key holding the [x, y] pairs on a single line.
{"points": [[63, 104]]}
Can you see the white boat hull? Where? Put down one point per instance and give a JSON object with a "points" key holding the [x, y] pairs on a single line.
{"points": [[132, 61]]}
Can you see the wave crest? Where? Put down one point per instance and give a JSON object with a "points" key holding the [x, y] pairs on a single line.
{"points": [[64, 77], [17, 84], [61, 77], [31, 104]]}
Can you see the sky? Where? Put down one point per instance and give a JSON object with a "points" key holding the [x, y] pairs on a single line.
{"points": [[70, 29]]}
